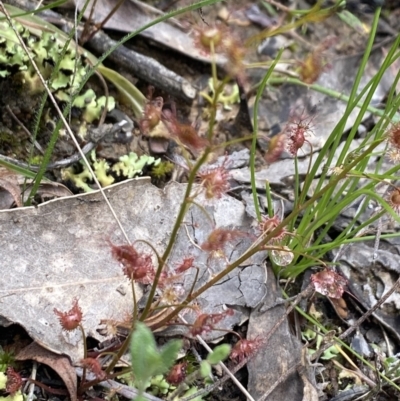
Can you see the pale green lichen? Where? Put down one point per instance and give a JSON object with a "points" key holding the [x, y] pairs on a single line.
{"points": [[46, 51], [128, 166], [92, 106], [132, 165], [101, 167], [79, 179]]}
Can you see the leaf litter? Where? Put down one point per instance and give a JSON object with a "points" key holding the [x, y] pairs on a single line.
{"points": [[58, 252]]}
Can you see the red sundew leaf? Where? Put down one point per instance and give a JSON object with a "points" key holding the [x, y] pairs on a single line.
{"points": [[186, 264], [218, 239], [136, 265], [94, 366], [393, 136], [14, 381], [215, 181], [329, 283], [71, 319], [151, 115], [394, 200], [183, 133], [275, 148], [125, 254], [245, 348], [206, 322], [269, 224], [177, 374]]}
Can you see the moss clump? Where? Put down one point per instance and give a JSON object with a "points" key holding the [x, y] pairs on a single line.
{"points": [[8, 139], [162, 170]]}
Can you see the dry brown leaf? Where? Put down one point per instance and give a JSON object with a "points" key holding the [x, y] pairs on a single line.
{"points": [[134, 14], [50, 190], [58, 251], [6, 200], [9, 182], [59, 363]]}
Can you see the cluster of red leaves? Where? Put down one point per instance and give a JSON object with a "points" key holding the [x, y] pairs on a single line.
{"points": [[291, 139], [215, 181], [137, 266], [155, 113], [269, 224], [297, 130], [219, 237], [177, 374], [206, 322], [14, 381], [185, 134], [245, 348], [151, 115], [329, 283], [71, 319], [186, 264], [94, 366], [168, 278]]}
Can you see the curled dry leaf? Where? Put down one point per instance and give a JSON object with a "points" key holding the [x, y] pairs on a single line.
{"points": [[59, 363], [50, 190], [9, 182]]}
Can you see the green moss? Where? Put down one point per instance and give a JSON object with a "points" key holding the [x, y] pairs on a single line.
{"points": [[162, 169], [6, 359], [36, 159], [8, 139]]}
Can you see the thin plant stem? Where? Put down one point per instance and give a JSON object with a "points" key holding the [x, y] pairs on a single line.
{"points": [[252, 250], [255, 132], [186, 199]]}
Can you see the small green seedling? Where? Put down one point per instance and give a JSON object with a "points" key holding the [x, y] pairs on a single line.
{"points": [[218, 355], [147, 360]]}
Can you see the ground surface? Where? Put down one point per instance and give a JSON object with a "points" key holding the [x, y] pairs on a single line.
{"points": [[279, 102]]}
